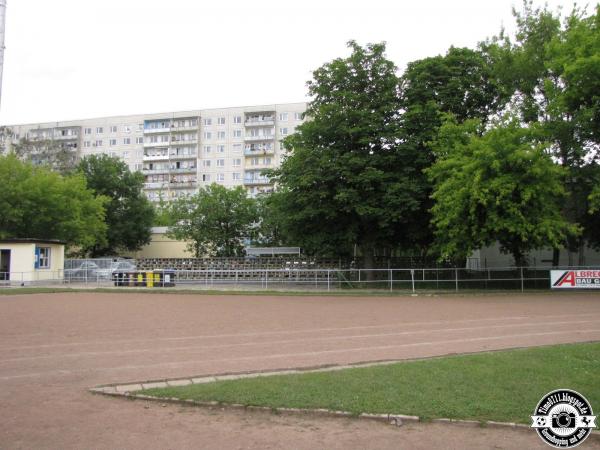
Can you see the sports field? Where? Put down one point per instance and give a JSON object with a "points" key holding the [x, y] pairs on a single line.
{"points": [[53, 347]]}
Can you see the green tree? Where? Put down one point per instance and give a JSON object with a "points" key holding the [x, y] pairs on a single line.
{"points": [[129, 214], [270, 230], [551, 68], [39, 203], [216, 220], [348, 179], [500, 186]]}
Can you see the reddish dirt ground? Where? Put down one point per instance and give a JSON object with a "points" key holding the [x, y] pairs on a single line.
{"points": [[53, 347]]}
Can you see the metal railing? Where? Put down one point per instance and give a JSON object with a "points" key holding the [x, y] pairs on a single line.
{"points": [[104, 273]]}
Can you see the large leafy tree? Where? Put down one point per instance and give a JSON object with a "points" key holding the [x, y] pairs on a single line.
{"points": [[348, 179], [217, 221], [39, 203], [129, 214], [551, 68], [500, 186]]}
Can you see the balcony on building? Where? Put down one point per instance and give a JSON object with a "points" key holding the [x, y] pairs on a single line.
{"points": [[155, 185], [154, 170], [255, 178], [177, 140], [188, 184], [260, 119], [262, 136], [155, 156], [259, 149], [182, 169], [184, 124], [157, 126]]}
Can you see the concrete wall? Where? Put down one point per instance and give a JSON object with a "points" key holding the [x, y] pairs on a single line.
{"points": [[490, 257], [162, 246]]}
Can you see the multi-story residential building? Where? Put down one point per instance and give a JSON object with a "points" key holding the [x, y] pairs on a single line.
{"points": [[181, 151]]}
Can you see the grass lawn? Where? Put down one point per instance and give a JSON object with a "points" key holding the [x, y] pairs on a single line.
{"points": [[502, 386]]}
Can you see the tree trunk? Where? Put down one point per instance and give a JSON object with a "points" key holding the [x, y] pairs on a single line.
{"points": [[555, 257], [368, 258]]}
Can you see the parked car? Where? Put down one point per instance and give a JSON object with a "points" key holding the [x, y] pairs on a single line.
{"points": [[115, 267], [87, 271]]}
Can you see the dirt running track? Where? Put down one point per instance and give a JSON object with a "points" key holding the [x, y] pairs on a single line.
{"points": [[54, 347]]}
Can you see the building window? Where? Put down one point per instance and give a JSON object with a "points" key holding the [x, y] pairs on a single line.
{"points": [[207, 135], [220, 177], [267, 161], [221, 121], [237, 133], [237, 162], [207, 121], [43, 257], [99, 130], [254, 162], [125, 155], [237, 119], [298, 116], [87, 144], [220, 163], [113, 128], [112, 142], [220, 149], [206, 177], [283, 131], [99, 143], [221, 135], [206, 163], [236, 176], [283, 117], [207, 149], [126, 141], [126, 129], [87, 131], [139, 140]]}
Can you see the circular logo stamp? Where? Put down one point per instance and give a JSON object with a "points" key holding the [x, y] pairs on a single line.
{"points": [[563, 418]]}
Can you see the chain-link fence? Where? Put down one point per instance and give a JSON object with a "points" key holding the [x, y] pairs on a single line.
{"points": [[124, 273]]}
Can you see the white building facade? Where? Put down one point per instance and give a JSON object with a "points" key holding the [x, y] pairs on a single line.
{"points": [[181, 151]]}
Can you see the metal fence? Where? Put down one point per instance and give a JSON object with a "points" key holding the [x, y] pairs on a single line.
{"points": [[406, 280]]}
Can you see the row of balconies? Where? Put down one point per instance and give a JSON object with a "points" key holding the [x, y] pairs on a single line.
{"points": [[171, 184], [165, 156], [157, 170]]}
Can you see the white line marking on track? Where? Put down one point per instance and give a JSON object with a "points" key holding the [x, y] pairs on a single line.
{"points": [[176, 364], [290, 341], [270, 333]]}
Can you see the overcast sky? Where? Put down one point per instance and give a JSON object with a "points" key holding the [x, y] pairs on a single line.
{"points": [[74, 59]]}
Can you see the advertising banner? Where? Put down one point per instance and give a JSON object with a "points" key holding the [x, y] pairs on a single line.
{"points": [[575, 279]]}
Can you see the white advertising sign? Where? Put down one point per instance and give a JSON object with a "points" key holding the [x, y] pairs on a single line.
{"points": [[575, 279]]}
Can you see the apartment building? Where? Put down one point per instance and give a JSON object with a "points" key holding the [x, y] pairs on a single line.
{"points": [[180, 151]]}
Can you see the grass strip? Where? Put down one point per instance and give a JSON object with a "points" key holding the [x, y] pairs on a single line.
{"points": [[499, 386]]}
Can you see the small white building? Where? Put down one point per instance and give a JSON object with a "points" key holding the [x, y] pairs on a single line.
{"points": [[27, 261]]}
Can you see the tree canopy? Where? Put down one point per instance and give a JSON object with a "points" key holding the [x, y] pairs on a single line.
{"points": [[348, 180], [40, 203], [129, 214], [216, 221], [500, 186]]}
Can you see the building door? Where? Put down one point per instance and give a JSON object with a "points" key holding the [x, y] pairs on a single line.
{"points": [[5, 265]]}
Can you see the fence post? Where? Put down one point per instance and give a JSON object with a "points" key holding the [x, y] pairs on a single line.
{"points": [[391, 281], [456, 277], [328, 288], [522, 287], [266, 278], [412, 279]]}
